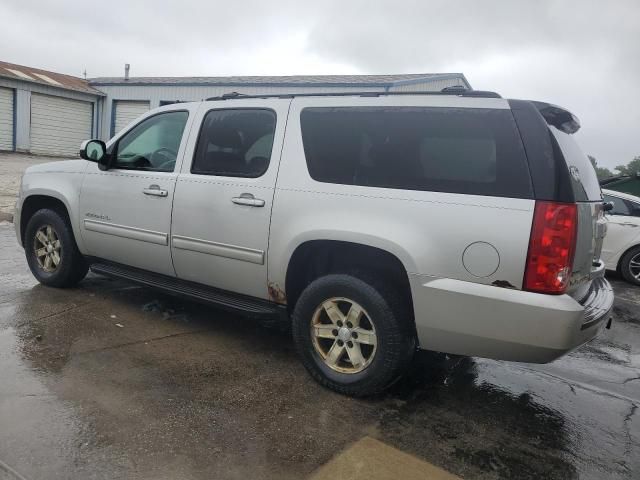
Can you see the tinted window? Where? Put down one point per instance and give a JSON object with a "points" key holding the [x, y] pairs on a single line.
{"points": [[581, 173], [153, 144], [475, 151], [622, 207], [235, 143], [619, 205]]}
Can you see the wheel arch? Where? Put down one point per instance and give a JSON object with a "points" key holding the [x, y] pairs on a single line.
{"points": [[624, 253], [314, 258], [37, 201]]}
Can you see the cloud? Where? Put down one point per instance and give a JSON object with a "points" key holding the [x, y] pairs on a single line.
{"points": [[581, 54]]}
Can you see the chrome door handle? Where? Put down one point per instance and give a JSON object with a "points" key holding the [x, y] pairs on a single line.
{"points": [[155, 190], [248, 199]]}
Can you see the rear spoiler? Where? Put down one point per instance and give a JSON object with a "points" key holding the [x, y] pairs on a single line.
{"points": [[560, 118]]}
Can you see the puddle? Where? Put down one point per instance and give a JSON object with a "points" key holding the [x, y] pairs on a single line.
{"points": [[40, 433]]}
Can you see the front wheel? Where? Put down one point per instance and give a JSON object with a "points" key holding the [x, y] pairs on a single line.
{"points": [[351, 336], [630, 266], [51, 250]]}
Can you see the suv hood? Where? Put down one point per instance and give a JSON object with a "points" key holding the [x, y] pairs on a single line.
{"points": [[62, 166]]}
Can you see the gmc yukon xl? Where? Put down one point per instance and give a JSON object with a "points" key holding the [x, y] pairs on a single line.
{"points": [[459, 222]]}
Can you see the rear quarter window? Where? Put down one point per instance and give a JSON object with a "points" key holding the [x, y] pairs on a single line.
{"points": [[458, 150]]}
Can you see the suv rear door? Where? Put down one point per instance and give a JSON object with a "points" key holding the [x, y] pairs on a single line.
{"points": [[561, 172], [591, 222], [224, 194]]}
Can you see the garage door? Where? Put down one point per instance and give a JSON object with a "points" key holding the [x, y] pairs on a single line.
{"points": [[6, 119], [126, 111], [59, 125]]}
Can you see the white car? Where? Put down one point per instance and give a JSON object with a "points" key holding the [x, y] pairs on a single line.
{"points": [[459, 222], [621, 248]]}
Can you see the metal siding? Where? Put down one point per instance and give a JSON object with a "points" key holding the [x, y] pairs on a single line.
{"points": [[23, 120], [6, 119], [126, 112], [59, 125], [22, 106], [433, 86], [46, 90]]}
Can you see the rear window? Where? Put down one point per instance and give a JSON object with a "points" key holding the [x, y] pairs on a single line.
{"points": [[473, 151], [584, 181]]}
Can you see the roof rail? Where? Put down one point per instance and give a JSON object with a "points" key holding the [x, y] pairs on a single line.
{"points": [[459, 91]]}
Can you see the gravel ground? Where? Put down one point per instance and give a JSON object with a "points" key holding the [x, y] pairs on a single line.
{"points": [[11, 167]]}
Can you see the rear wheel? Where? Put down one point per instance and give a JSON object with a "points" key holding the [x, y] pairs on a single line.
{"points": [[51, 250], [351, 336], [630, 266]]}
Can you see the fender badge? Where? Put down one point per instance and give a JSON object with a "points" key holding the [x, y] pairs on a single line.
{"points": [[99, 217]]}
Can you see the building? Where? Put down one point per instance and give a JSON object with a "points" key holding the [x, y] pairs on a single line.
{"points": [[48, 113], [45, 112]]}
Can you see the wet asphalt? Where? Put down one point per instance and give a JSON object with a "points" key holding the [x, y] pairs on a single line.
{"points": [[112, 380]]}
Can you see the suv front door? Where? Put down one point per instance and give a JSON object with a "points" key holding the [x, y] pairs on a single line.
{"points": [[126, 210], [224, 194]]}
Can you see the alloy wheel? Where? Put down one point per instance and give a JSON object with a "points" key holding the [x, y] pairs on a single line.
{"points": [[47, 247], [344, 335], [634, 266]]}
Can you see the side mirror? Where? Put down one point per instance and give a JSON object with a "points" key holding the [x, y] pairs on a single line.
{"points": [[608, 206], [95, 151]]}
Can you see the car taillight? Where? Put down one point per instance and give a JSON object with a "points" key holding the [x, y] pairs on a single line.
{"points": [[551, 247]]}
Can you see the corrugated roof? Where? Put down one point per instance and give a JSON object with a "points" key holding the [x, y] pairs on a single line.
{"points": [[289, 80], [44, 77]]}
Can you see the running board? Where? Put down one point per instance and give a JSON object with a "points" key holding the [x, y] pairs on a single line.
{"points": [[250, 306]]}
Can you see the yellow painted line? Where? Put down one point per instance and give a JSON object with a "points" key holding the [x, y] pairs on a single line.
{"points": [[370, 459]]}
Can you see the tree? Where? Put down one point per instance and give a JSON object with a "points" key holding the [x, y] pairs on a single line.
{"points": [[601, 172], [632, 168]]}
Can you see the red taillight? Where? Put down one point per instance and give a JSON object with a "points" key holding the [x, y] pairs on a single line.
{"points": [[551, 247]]}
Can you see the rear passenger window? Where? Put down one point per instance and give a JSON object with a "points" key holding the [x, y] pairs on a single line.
{"points": [[235, 143], [471, 150]]}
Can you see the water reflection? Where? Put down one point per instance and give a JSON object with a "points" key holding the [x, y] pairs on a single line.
{"points": [[510, 420], [242, 383]]}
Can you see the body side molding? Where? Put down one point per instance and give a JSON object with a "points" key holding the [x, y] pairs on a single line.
{"points": [[218, 249], [124, 231]]}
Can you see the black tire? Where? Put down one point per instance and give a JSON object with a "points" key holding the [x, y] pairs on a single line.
{"points": [[72, 266], [393, 324], [625, 265]]}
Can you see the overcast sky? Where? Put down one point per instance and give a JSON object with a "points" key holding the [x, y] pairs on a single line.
{"points": [[583, 55]]}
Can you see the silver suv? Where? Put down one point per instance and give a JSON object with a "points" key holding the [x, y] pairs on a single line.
{"points": [[376, 224]]}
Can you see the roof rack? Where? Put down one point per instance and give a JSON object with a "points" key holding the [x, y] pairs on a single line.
{"points": [[457, 90]]}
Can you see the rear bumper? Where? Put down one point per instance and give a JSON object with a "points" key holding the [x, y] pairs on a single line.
{"points": [[472, 319]]}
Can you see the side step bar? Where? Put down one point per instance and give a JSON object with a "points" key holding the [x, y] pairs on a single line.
{"points": [[250, 306]]}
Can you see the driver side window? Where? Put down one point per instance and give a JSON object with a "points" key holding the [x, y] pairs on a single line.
{"points": [[153, 144]]}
